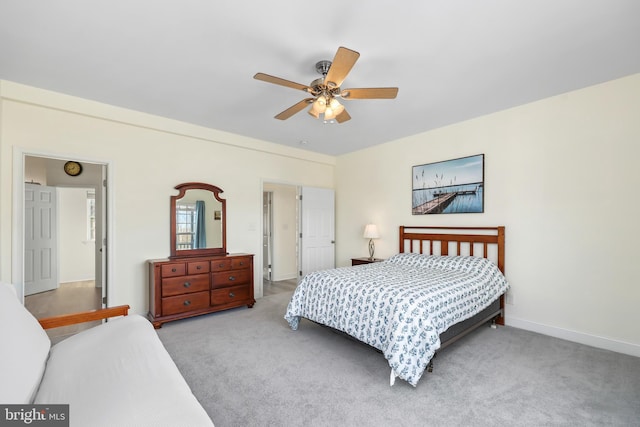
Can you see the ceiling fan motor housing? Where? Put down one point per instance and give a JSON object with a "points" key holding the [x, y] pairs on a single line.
{"points": [[322, 67]]}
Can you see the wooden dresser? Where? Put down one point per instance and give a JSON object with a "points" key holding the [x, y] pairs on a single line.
{"points": [[191, 286]]}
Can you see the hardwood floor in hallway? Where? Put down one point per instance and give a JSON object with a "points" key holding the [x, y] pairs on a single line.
{"points": [[70, 297]]}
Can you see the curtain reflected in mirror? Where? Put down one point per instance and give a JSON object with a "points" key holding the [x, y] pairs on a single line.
{"points": [[201, 227]]}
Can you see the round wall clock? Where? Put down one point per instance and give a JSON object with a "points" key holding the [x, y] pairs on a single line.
{"points": [[73, 168]]}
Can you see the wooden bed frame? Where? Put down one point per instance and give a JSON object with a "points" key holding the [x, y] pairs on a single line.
{"points": [[485, 242], [84, 316]]}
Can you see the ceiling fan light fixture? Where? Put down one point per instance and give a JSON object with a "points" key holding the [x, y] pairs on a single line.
{"points": [[336, 106], [329, 114], [333, 110], [319, 106]]}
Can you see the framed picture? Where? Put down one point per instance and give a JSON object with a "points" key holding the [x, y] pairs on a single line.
{"points": [[217, 215], [450, 186]]}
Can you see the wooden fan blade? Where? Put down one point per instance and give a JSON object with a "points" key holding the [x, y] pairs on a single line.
{"points": [[282, 82], [342, 63], [370, 93], [343, 117], [296, 108]]}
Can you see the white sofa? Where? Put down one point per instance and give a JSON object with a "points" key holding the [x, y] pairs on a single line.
{"points": [[115, 374]]}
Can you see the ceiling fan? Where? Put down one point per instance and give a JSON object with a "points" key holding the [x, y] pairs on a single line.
{"points": [[326, 89]]}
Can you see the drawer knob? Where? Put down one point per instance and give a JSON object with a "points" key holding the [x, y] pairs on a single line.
{"points": [[199, 267], [231, 295], [232, 278], [187, 302], [173, 270], [187, 284], [221, 265]]}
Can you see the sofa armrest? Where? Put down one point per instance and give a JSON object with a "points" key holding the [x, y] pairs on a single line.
{"points": [[85, 316]]}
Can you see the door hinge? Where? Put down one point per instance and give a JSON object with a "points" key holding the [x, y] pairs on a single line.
{"points": [[104, 183], [301, 235], [300, 272], [104, 300]]}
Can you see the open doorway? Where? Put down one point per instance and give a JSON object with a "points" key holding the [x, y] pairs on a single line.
{"points": [[279, 238], [64, 220]]}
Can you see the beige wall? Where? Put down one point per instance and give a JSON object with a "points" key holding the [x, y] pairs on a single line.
{"points": [[147, 157], [561, 174]]}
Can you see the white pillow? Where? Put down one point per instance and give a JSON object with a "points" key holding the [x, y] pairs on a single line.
{"points": [[24, 348]]}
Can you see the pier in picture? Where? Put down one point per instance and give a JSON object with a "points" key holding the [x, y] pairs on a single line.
{"points": [[451, 186]]}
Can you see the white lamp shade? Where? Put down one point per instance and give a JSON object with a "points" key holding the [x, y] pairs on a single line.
{"points": [[371, 231]]}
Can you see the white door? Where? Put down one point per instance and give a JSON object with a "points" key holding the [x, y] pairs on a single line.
{"points": [[317, 240], [40, 239]]}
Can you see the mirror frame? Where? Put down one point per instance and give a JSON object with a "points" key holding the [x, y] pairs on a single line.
{"points": [[182, 189]]}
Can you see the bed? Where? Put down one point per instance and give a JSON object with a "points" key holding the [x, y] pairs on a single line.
{"points": [[443, 283]]}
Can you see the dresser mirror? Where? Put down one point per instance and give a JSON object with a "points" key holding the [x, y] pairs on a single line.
{"points": [[198, 221]]}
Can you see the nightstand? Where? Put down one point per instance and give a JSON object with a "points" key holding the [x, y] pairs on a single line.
{"points": [[365, 260]]}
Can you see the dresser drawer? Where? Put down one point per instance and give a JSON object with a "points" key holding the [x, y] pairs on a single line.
{"points": [[197, 267], [236, 263], [184, 303], [229, 278], [230, 295], [185, 284], [171, 270], [220, 264]]}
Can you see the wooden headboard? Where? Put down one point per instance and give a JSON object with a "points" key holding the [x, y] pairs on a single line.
{"points": [[486, 242]]}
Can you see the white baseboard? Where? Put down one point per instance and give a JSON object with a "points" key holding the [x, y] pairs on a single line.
{"points": [[284, 277], [579, 337]]}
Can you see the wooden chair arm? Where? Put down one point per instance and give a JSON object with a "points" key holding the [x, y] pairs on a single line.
{"points": [[84, 316]]}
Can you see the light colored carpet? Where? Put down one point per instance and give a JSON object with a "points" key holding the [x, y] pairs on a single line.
{"points": [[247, 368]]}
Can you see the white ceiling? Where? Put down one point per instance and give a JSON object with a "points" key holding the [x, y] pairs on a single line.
{"points": [[194, 60]]}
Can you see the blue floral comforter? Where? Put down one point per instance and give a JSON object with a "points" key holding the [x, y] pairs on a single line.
{"points": [[399, 306]]}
